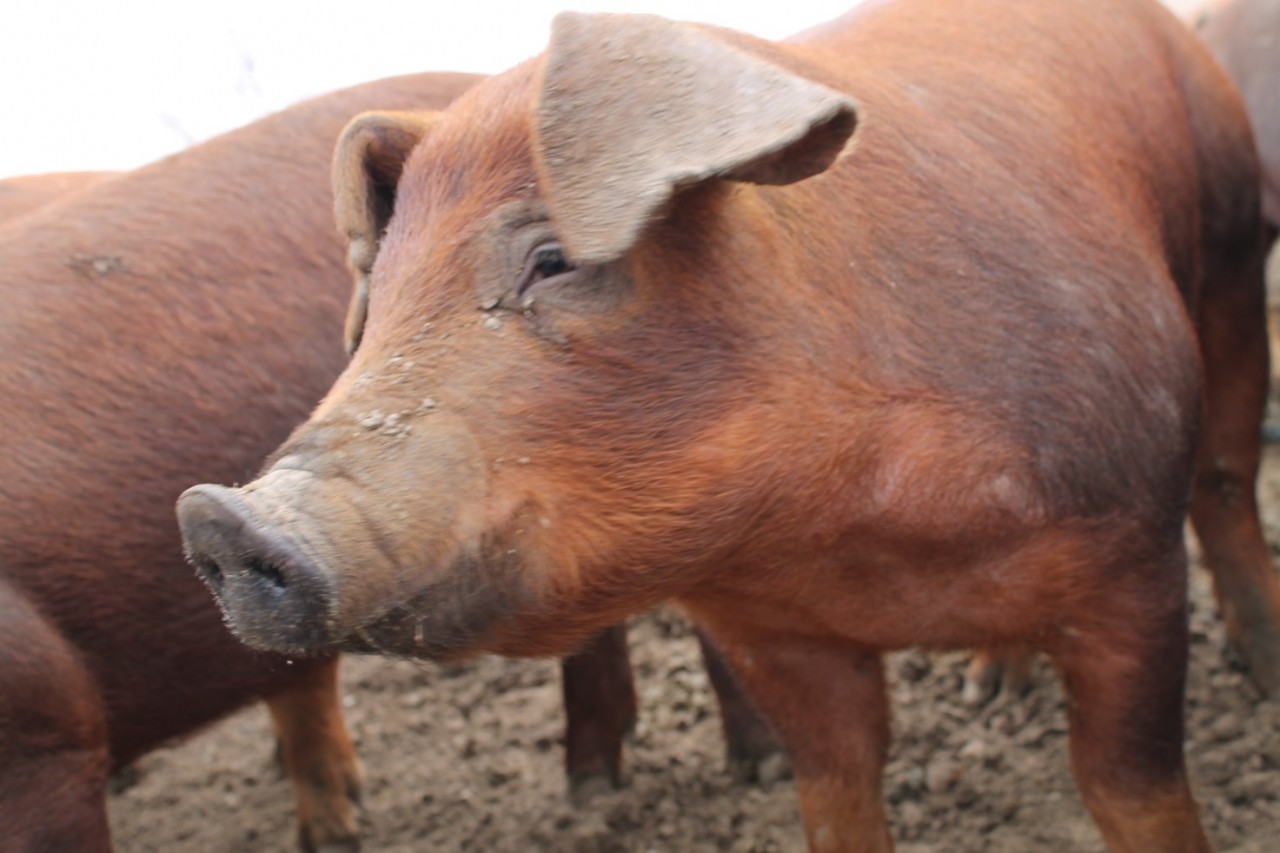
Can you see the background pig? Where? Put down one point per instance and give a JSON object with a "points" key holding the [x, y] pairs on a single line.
{"points": [[1244, 35], [169, 323]]}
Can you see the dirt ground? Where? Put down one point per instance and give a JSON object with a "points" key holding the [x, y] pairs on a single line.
{"points": [[469, 758]]}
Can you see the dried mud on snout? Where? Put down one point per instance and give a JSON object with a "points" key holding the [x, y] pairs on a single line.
{"points": [[469, 758]]}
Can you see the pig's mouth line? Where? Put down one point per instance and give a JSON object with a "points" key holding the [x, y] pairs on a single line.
{"points": [[413, 611], [437, 622]]}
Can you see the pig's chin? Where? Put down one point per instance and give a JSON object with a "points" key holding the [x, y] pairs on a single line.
{"points": [[450, 619]]}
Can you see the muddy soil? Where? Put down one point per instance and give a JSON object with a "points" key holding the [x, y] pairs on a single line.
{"points": [[469, 758]]}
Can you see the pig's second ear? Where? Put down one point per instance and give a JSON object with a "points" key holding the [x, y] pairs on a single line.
{"points": [[366, 169], [632, 107]]}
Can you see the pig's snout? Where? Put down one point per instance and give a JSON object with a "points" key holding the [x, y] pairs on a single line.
{"points": [[274, 597]]}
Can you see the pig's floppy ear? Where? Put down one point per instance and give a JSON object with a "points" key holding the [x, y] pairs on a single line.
{"points": [[366, 168], [632, 107]]}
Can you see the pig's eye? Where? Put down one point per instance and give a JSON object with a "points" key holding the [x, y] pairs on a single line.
{"points": [[545, 262]]}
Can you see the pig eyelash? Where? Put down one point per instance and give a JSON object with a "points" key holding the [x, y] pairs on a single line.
{"points": [[545, 262]]}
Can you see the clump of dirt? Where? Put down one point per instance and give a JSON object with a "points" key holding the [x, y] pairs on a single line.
{"points": [[469, 758]]}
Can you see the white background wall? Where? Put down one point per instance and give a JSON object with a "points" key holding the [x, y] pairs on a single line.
{"points": [[97, 84]]}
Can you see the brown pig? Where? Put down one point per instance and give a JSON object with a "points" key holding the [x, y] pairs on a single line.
{"points": [[645, 319], [168, 323]]}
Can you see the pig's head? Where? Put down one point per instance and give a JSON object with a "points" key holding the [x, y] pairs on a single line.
{"points": [[565, 321]]}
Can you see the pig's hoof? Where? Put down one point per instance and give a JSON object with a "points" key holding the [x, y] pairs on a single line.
{"points": [[753, 751], [1260, 654], [318, 839], [1251, 615], [1270, 432], [584, 788], [991, 675], [764, 770], [327, 814], [347, 845], [314, 839], [981, 681]]}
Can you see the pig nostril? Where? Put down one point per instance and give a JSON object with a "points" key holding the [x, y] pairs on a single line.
{"points": [[209, 570], [264, 569]]}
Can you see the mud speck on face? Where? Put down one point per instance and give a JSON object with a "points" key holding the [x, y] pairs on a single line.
{"points": [[97, 266], [469, 758]]}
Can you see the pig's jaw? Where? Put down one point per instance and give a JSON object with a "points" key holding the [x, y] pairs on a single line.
{"points": [[451, 618]]}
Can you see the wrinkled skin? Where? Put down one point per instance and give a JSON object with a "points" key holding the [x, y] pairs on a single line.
{"points": [[642, 325]]}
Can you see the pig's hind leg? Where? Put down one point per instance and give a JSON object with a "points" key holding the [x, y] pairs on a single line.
{"points": [[1231, 325]]}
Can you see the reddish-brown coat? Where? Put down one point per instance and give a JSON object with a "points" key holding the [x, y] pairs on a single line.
{"points": [[169, 324], [952, 392]]}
